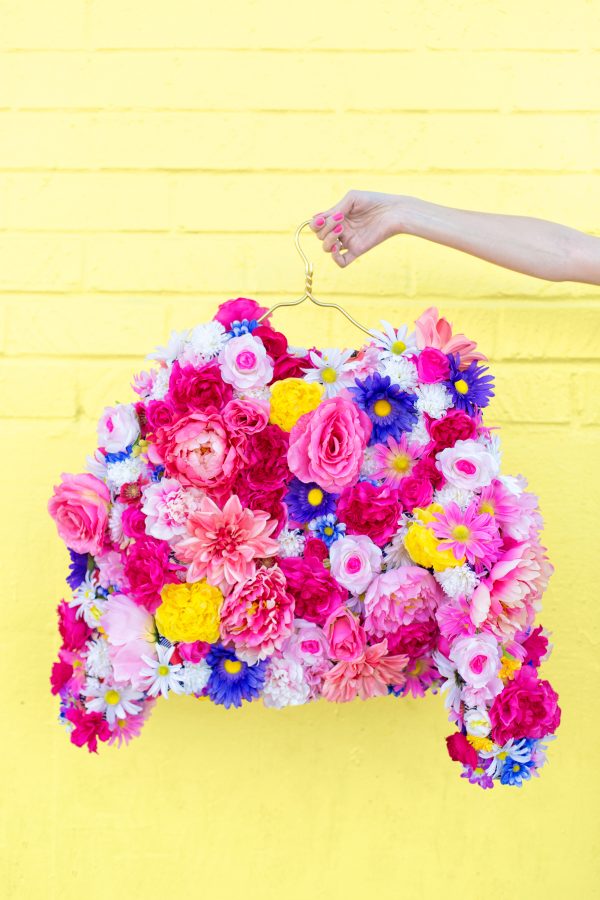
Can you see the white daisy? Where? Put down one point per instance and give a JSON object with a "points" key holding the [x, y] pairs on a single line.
{"points": [[173, 349], [89, 606], [450, 686], [333, 369], [433, 399], [123, 471], [451, 494], [401, 370], [159, 675], [97, 660], [116, 701], [393, 343], [516, 749], [194, 677], [418, 434], [291, 543], [457, 581]]}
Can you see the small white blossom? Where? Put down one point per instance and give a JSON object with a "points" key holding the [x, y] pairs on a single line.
{"points": [[116, 701], [401, 371], [124, 471], [159, 675], [161, 383], [194, 676], [457, 581], [451, 494], [89, 606], [97, 661], [369, 463], [433, 399], [333, 368], [291, 543], [393, 343], [285, 684], [173, 349], [395, 553]]}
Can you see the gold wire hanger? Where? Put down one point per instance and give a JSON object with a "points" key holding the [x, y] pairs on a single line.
{"points": [[308, 295]]}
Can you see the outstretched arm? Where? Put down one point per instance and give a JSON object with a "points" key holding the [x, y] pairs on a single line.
{"points": [[525, 244]]}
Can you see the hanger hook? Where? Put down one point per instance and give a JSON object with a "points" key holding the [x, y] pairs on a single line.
{"points": [[308, 266]]}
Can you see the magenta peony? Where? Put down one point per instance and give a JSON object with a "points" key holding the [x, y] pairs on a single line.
{"points": [[527, 707], [148, 567], [370, 509], [315, 590], [197, 388]]}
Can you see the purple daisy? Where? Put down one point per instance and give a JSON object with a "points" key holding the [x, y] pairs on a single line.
{"points": [[231, 679], [390, 409], [469, 388], [307, 501]]}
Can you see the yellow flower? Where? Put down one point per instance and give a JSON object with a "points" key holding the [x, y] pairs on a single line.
{"points": [[508, 668], [422, 546], [292, 398], [480, 743], [189, 612]]}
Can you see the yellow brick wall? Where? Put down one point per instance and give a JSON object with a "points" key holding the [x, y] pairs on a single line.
{"points": [[155, 159]]}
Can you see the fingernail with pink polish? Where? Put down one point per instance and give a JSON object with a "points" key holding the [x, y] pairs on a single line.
{"points": [[338, 217], [320, 221], [337, 229]]}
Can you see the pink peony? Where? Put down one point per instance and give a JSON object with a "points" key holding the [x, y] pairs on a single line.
{"points": [[398, 597], [327, 445], [345, 635], [197, 388], [370, 509], [415, 492], [266, 459], [166, 506], [79, 507], [316, 592], [222, 545], [415, 640], [355, 560], [270, 502], [245, 416], [455, 426], [200, 452], [526, 708], [432, 366], [129, 630], [244, 363], [148, 567], [118, 427], [236, 310], [432, 331], [367, 676], [257, 615]]}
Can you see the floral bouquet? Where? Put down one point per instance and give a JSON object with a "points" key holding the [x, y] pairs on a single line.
{"points": [[276, 523]]}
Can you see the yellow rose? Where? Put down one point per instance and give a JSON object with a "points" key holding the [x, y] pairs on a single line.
{"points": [[189, 612], [292, 398], [422, 546]]}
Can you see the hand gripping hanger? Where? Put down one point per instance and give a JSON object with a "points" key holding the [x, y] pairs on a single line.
{"points": [[308, 295]]}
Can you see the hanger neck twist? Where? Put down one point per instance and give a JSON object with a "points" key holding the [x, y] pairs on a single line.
{"points": [[308, 294]]}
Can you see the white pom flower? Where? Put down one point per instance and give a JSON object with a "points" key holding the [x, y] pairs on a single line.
{"points": [[451, 494], [433, 399], [291, 543], [194, 676], [124, 471], [173, 349], [285, 684], [401, 371], [457, 580], [161, 383], [97, 661]]}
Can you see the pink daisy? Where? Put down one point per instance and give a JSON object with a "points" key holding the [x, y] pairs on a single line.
{"points": [[514, 514], [123, 730], [395, 459], [221, 545], [468, 534], [420, 675]]}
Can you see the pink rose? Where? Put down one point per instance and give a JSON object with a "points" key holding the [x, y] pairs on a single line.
{"points": [[432, 366], [118, 427], [245, 416], [415, 492], [236, 310], [194, 652], [154, 414], [370, 509], [327, 445], [467, 465], [133, 522], [200, 451], [244, 363], [316, 592], [79, 507], [527, 707], [197, 388], [477, 659], [346, 637], [355, 560]]}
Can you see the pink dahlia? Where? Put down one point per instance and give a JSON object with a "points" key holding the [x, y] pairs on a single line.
{"points": [[398, 597], [468, 534], [527, 707], [365, 677], [222, 545], [258, 615]]}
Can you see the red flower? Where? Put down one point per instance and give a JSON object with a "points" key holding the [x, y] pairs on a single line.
{"points": [[148, 567], [455, 426], [88, 728], [60, 675], [535, 646], [266, 454], [460, 750], [426, 470]]}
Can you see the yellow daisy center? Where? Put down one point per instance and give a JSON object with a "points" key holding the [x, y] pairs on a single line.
{"points": [[315, 496], [382, 408], [460, 533], [401, 462], [329, 375], [398, 347], [232, 666], [487, 508], [461, 386], [328, 530], [163, 670], [112, 697]]}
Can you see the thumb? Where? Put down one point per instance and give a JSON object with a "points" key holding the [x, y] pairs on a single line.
{"points": [[344, 206]]}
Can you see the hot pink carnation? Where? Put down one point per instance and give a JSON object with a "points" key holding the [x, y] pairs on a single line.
{"points": [[327, 445], [222, 545], [370, 509], [527, 707], [398, 597], [367, 676], [148, 567], [257, 616], [73, 629], [432, 366], [197, 388], [316, 592], [79, 507], [235, 310]]}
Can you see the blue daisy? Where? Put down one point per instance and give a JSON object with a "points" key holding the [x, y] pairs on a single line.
{"points": [[242, 326], [232, 680], [470, 389], [515, 772], [307, 501], [77, 569], [390, 409], [327, 528]]}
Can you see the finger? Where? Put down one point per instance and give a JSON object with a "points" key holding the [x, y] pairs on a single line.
{"points": [[332, 236], [344, 259], [343, 206]]}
